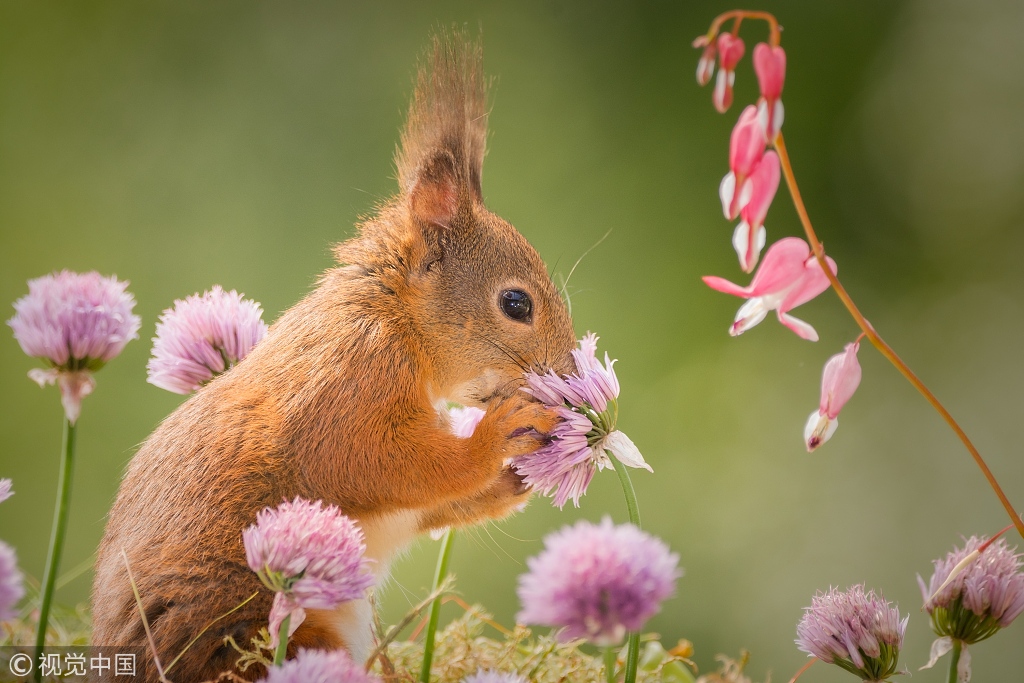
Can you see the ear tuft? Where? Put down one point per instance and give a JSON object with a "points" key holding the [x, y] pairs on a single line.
{"points": [[434, 198], [448, 117]]}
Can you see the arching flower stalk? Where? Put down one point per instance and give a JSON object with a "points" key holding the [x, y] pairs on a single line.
{"points": [[760, 126]]}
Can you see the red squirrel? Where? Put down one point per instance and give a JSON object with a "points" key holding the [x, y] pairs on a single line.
{"points": [[436, 300]]}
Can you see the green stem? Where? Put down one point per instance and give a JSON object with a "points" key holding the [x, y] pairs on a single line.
{"points": [[627, 490], [955, 661], [633, 642], [282, 641], [57, 534], [435, 609], [609, 664]]}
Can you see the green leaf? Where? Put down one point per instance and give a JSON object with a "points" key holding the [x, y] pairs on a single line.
{"points": [[676, 672]]}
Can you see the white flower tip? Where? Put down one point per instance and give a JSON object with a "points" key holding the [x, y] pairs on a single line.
{"points": [[748, 253], [623, 448], [726, 191], [818, 430], [746, 192]]}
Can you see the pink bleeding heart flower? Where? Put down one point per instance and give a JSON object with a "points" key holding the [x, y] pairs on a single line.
{"points": [[770, 67], [746, 149], [838, 382], [789, 276], [706, 65], [730, 52], [750, 235]]}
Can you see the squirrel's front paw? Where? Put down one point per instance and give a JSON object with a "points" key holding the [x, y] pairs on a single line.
{"points": [[513, 426]]}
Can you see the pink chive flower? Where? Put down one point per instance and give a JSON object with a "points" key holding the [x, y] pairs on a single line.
{"points": [[492, 676], [706, 64], [76, 322], [201, 337], [746, 148], [730, 52], [770, 67], [597, 581], [857, 631], [464, 420], [12, 588], [788, 276], [984, 597], [587, 402], [311, 556], [319, 666], [838, 382], [750, 235]]}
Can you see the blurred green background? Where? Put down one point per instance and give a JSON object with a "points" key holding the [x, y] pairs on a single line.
{"points": [[184, 144]]}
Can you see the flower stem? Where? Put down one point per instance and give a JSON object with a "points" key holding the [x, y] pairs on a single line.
{"points": [[627, 489], [282, 641], [435, 609], [633, 642], [954, 662], [774, 30], [876, 339], [802, 669], [609, 664], [58, 532]]}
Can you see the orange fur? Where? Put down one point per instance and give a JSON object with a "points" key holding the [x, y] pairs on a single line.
{"points": [[340, 402]]}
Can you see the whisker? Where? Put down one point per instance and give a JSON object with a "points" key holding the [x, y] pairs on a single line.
{"points": [[487, 529], [514, 538], [573, 270]]}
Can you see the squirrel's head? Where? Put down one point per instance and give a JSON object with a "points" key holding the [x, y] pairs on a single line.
{"points": [[479, 296]]}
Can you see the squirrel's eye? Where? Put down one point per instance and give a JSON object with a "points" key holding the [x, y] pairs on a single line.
{"points": [[516, 304]]}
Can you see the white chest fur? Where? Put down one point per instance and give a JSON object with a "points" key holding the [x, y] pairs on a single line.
{"points": [[385, 536]]}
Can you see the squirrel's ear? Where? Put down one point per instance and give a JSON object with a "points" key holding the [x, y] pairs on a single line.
{"points": [[434, 198], [440, 158]]}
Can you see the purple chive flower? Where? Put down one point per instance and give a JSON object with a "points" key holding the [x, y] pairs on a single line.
{"points": [[971, 595], [201, 337], [11, 588], [319, 666], [597, 581], [588, 404], [5, 489], [311, 556], [76, 323], [492, 676], [857, 631], [465, 420]]}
